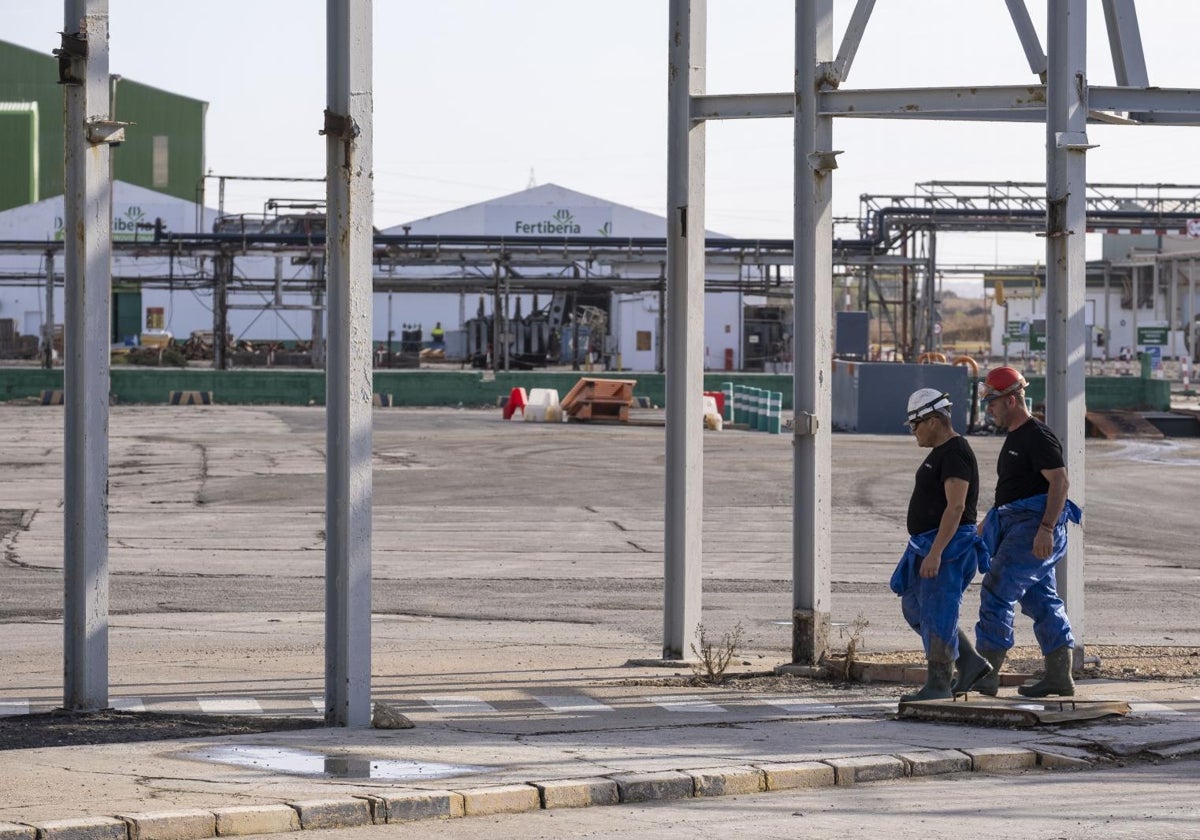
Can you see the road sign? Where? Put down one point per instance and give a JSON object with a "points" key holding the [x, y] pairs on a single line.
{"points": [[1152, 336]]}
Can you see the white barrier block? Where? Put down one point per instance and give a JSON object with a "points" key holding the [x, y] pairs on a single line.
{"points": [[543, 406]]}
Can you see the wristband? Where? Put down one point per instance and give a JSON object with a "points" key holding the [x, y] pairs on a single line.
{"points": [[1046, 526]]}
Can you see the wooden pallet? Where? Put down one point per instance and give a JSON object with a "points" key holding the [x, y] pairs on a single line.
{"points": [[1115, 425], [599, 399]]}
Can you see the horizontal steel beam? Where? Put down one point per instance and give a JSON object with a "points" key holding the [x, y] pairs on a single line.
{"points": [[987, 103]]}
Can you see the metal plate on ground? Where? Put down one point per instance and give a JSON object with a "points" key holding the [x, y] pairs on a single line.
{"points": [[1021, 711]]}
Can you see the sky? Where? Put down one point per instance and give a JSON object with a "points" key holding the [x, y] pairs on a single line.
{"points": [[477, 98]]}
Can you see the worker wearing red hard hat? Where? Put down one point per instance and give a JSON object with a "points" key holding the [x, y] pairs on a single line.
{"points": [[1026, 534], [944, 552]]}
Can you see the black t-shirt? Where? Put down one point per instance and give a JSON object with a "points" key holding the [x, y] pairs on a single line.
{"points": [[953, 459], [1027, 450]]}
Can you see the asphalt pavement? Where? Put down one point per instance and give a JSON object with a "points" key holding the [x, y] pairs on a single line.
{"points": [[517, 569]]}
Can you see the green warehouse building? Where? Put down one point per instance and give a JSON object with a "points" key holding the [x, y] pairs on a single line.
{"points": [[163, 151]]}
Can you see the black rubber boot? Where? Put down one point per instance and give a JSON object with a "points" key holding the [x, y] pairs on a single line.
{"points": [[1057, 680], [970, 666], [989, 684], [937, 683]]}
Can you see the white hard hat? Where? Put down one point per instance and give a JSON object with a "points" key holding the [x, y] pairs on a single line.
{"points": [[925, 401]]}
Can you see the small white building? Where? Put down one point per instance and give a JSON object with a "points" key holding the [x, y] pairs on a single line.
{"points": [[1141, 297]]}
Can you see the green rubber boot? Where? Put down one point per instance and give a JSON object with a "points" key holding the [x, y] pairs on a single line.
{"points": [[989, 684], [1057, 679], [970, 666], [937, 683]]}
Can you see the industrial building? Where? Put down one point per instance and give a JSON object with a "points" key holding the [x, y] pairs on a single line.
{"points": [[547, 274], [164, 151]]}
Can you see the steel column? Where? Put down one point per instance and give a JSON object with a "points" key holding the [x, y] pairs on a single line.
{"points": [[222, 273], [1191, 313], [684, 511], [1172, 306], [318, 316], [931, 293], [348, 491], [87, 273], [48, 322], [1135, 282], [812, 341], [1066, 222], [1107, 311]]}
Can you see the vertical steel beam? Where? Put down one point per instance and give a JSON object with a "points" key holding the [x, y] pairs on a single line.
{"points": [[48, 323], [1066, 222], [88, 278], [1172, 304], [812, 331], [348, 391], [222, 273], [684, 511], [318, 316], [1191, 313], [931, 294], [1135, 282], [1107, 311]]}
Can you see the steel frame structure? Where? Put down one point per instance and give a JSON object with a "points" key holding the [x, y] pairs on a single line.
{"points": [[83, 70], [1062, 100]]}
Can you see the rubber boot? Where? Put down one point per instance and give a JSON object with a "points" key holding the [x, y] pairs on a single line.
{"points": [[989, 684], [1057, 679], [970, 666], [937, 683]]}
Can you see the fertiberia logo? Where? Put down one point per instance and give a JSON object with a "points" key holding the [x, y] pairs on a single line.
{"points": [[562, 223]]}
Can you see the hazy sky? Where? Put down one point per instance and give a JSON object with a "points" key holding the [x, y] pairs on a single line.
{"points": [[471, 96]]}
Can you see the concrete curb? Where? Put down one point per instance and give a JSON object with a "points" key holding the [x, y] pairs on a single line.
{"points": [[408, 805], [184, 824]]}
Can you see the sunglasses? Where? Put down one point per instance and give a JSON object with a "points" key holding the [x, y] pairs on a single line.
{"points": [[912, 424]]}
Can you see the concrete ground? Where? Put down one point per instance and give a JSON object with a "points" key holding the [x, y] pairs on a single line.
{"points": [[517, 568]]}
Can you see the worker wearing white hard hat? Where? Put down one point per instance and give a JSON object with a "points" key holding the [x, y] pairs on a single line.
{"points": [[944, 551]]}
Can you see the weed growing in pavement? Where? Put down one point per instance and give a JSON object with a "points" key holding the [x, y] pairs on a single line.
{"points": [[714, 657], [855, 631]]}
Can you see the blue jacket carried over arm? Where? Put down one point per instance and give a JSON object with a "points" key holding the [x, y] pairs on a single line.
{"points": [[996, 519], [931, 605], [964, 542]]}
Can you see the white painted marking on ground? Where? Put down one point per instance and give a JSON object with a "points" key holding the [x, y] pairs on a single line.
{"points": [[460, 705], [1152, 709], [870, 706], [318, 703], [13, 707], [229, 705], [127, 704], [571, 703], [799, 705], [685, 703]]}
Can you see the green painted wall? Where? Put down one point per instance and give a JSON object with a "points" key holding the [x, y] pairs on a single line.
{"points": [[1108, 393], [472, 388], [18, 143], [32, 76]]}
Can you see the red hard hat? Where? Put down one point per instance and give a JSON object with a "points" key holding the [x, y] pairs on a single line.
{"points": [[1002, 381]]}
